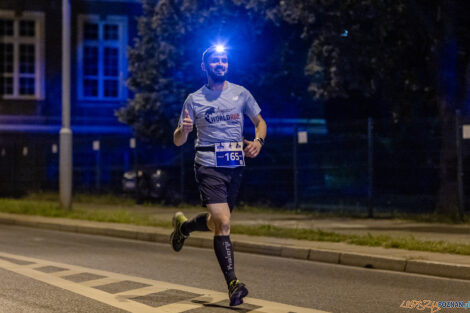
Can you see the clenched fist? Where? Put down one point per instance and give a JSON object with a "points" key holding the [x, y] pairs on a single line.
{"points": [[252, 148], [187, 123]]}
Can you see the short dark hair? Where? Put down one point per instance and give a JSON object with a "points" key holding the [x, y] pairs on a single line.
{"points": [[208, 52]]}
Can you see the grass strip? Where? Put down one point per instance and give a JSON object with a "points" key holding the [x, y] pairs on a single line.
{"points": [[407, 243], [108, 199], [50, 208], [128, 201]]}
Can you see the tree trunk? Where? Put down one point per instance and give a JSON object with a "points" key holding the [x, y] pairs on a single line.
{"points": [[448, 200], [448, 81]]}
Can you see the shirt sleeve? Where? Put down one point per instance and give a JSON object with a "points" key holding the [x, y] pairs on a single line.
{"points": [[188, 105], [251, 107]]}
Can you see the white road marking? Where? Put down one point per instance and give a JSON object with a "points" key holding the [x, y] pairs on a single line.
{"points": [[122, 300]]}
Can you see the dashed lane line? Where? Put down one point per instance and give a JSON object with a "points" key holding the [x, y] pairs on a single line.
{"points": [[135, 294]]}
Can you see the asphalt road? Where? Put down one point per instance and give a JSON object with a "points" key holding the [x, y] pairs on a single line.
{"points": [[320, 286]]}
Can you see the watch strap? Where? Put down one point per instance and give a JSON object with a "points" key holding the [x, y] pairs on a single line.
{"points": [[261, 140]]}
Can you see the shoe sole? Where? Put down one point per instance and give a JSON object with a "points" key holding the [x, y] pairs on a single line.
{"points": [[238, 297]]}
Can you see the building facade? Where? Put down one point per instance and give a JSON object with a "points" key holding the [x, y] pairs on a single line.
{"points": [[30, 56], [31, 85], [103, 148]]}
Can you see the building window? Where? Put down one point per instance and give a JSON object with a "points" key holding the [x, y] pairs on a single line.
{"points": [[21, 55], [102, 66]]}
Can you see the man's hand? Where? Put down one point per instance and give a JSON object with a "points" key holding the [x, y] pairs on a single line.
{"points": [[187, 123], [252, 148]]}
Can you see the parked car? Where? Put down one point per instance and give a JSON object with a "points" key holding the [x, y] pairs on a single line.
{"points": [[150, 184]]}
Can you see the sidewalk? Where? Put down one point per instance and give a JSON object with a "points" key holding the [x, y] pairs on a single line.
{"points": [[428, 263]]}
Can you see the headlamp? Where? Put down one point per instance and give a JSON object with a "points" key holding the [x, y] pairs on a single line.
{"points": [[219, 48]]}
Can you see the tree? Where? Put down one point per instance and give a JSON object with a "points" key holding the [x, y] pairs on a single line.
{"points": [[410, 56], [367, 46], [451, 73], [146, 112], [402, 55], [164, 64]]}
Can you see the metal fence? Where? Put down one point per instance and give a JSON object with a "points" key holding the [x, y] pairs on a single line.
{"points": [[360, 165]]}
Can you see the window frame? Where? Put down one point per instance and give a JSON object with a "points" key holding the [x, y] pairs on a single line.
{"points": [[101, 44], [39, 53]]}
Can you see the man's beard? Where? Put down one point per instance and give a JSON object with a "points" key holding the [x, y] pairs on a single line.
{"points": [[217, 78]]}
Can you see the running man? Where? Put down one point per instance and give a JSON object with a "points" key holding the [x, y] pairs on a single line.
{"points": [[217, 110]]}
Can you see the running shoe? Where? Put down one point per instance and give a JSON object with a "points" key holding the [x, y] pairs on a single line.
{"points": [[177, 238], [236, 292]]}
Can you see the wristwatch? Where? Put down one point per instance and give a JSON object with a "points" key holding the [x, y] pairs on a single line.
{"points": [[261, 140]]}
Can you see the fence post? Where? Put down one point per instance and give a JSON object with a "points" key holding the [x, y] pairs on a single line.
{"points": [[458, 137], [370, 158], [294, 155], [96, 148], [133, 146], [182, 174]]}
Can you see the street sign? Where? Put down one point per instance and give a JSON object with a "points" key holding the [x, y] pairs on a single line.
{"points": [[302, 137], [132, 143], [466, 132], [96, 145]]}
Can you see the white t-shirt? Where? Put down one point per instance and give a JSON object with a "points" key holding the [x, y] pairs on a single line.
{"points": [[218, 117]]}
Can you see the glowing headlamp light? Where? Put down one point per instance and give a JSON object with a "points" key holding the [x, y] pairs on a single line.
{"points": [[219, 48]]}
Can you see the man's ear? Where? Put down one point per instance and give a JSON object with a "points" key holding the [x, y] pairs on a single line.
{"points": [[203, 67]]}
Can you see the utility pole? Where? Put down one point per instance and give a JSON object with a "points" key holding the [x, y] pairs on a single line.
{"points": [[458, 137], [370, 167], [65, 160]]}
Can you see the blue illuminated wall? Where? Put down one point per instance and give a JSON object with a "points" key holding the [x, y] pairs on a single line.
{"points": [[52, 45]]}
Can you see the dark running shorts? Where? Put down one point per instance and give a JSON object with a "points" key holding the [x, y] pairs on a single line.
{"points": [[218, 184]]}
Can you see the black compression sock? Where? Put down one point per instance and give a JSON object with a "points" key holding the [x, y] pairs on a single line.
{"points": [[199, 223], [224, 251]]}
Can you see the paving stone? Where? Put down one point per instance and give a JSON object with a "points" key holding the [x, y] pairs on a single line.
{"points": [[121, 286], [50, 269], [81, 277], [165, 297]]}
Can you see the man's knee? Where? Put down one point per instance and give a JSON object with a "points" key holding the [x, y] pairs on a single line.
{"points": [[223, 226]]}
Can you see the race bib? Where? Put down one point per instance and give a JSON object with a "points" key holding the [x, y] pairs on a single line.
{"points": [[229, 154]]}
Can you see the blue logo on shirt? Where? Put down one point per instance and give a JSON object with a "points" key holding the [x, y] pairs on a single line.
{"points": [[214, 117]]}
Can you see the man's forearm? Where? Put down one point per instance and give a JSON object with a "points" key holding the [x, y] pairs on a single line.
{"points": [[261, 129], [179, 138]]}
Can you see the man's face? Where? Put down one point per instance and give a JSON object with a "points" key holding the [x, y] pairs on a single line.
{"points": [[217, 66]]}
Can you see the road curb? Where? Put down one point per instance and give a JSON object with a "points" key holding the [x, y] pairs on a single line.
{"points": [[438, 269], [372, 261], [154, 234]]}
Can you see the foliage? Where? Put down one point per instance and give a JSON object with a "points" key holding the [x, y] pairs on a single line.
{"points": [[146, 112], [372, 48], [297, 48], [265, 53], [400, 59]]}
